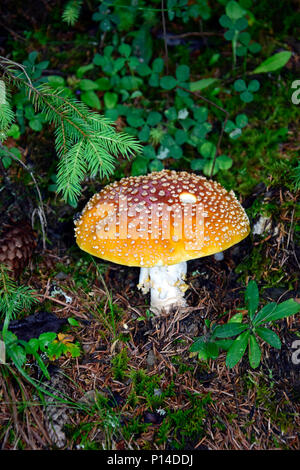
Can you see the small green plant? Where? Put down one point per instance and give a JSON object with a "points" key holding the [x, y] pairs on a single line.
{"points": [[119, 365], [187, 10], [272, 399], [147, 317], [104, 417], [247, 334], [273, 63], [72, 11], [14, 299], [246, 91], [49, 343], [235, 22], [234, 129], [105, 17]]}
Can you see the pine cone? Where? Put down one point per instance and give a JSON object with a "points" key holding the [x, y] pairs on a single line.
{"points": [[17, 243]]}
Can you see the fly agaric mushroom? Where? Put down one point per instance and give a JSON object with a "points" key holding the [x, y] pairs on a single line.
{"points": [[158, 222]]}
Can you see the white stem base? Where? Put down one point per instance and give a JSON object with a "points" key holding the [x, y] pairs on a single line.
{"points": [[166, 285]]}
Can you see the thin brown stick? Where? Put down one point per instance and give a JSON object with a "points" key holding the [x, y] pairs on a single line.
{"points": [[195, 33], [165, 35]]}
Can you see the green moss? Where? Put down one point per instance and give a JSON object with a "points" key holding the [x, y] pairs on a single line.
{"points": [[147, 389], [80, 436], [273, 403], [134, 428], [257, 265], [257, 154], [119, 365], [185, 425], [182, 367], [253, 264], [266, 398]]}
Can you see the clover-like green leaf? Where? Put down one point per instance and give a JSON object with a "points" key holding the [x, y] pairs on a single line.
{"points": [[234, 11], [244, 38], [224, 162], [240, 85], [254, 47], [182, 73], [139, 166], [241, 120], [125, 50], [254, 86], [110, 99], [143, 70], [197, 164], [210, 167], [158, 65], [156, 165], [246, 96], [144, 134], [168, 82], [226, 22], [208, 149], [154, 118], [149, 152], [181, 137], [241, 24]]}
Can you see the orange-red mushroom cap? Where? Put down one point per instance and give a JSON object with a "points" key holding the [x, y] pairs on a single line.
{"points": [[160, 219]]}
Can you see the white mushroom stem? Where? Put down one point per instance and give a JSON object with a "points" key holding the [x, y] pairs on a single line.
{"points": [[166, 285]]}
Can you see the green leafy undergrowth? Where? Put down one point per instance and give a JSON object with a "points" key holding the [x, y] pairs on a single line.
{"points": [[247, 334], [51, 344]]}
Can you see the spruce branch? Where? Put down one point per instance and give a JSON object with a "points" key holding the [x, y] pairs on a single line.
{"points": [[86, 142], [7, 115], [13, 297]]}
